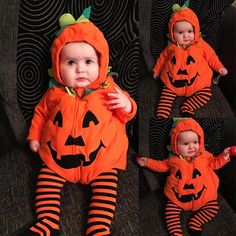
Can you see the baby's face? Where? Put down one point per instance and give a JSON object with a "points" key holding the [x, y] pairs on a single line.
{"points": [[187, 143], [183, 32], [79, 64]]}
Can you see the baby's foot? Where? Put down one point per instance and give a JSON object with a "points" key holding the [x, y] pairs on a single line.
{"points": [[42, 227]]}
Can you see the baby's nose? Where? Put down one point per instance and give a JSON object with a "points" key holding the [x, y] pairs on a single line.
{"points": [[79, 67]]}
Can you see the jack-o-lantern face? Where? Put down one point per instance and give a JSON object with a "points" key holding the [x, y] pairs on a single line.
{"points": [[182, 72], [68, 161], [186, 71], [182, 196], [190, 185]]}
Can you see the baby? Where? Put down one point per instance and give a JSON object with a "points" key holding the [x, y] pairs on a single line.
{"points": [[185, 65], [78, 128], [192, 183]]}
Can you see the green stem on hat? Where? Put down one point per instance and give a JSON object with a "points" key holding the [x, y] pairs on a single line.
{"points": [[86, 13], [186, 4]]}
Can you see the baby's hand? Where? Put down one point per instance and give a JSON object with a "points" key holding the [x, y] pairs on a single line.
{"points": [[34, 145], [142, 161], [223, 71], [155, 76], [119, 100], [226, 153]]}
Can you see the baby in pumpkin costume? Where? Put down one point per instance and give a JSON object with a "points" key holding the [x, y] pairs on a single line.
{"points": [[185, 65], [192, 183], [78, 127]]}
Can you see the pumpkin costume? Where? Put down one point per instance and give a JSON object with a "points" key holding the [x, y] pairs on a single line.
{"points": [[185, 70], [191, 184], [81, 140]]}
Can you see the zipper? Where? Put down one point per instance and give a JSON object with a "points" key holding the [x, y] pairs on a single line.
{"points": [[74, 130]]}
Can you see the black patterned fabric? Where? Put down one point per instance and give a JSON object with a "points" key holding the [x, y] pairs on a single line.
{"points": [[38, 23]]}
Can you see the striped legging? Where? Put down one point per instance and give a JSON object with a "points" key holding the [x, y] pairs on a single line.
{"points": [[48, 199], [187, 108], [199, 217]]}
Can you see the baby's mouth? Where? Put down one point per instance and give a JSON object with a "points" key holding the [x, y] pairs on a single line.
{"points": [[81, 79], [191, 152]]}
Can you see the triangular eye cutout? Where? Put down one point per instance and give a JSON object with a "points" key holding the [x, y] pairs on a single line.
{"points": [[196, 173], [189, 60], [178, 175], [89, 116], [58, 119]]}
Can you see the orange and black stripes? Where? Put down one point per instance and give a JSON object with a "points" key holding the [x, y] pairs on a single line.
{"points": [[102, 204], [48, 199], [196, 101], [173, 219], [188, 107], [203, 215], [165, 103], [47, 203], [200, 217]]}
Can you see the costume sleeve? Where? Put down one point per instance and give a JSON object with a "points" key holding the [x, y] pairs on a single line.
{"points": [[157, 165], [217, 162], [161, 61], [40, 117], [119, 113], [211, 57]]}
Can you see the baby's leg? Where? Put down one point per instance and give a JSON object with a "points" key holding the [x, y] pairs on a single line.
{"points": [[202, 216], [102, 204], [165, 103], [196, 101], [173, 219], [47, 203]]}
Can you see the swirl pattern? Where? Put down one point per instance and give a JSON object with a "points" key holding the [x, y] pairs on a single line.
{"points": [[213, 130], [31, 68], [38, 23]]}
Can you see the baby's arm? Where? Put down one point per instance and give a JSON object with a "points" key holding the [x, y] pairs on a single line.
{"points": [[213, 60], [41, 115], [161, 61], [155, 165], [220, 160], [119, 100]]}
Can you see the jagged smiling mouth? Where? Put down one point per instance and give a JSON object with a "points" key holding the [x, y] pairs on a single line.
{"points": [[188, 197], [182, 83], [74, 160]]}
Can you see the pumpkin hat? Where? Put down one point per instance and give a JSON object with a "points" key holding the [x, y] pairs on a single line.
{"points": [[185, 125], [80, 30], [183, 14]]}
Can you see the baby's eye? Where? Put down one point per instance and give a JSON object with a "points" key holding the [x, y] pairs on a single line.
{"points": [[180, 32], [71, 62], [89, 61], [190, 31], [185, 144]]}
